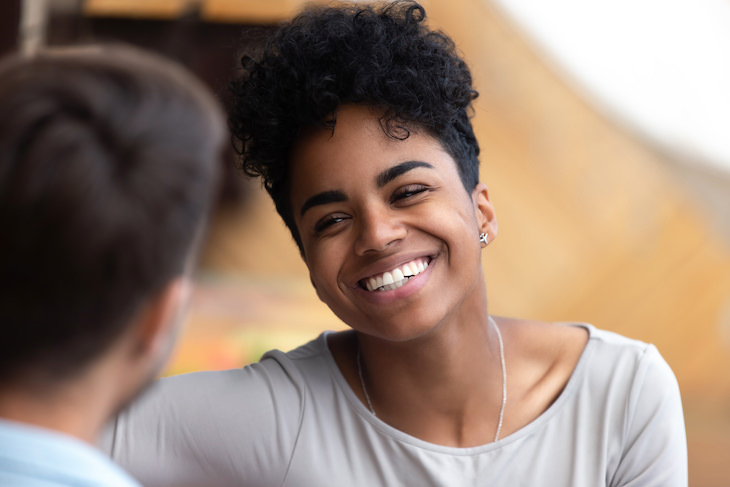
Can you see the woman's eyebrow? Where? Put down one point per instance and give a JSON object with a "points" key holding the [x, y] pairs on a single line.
{"points": [[393, 172], [323, 198], [382, 179]]}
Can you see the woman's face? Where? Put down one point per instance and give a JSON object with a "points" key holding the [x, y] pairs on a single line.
{"points": [[390, 235]]}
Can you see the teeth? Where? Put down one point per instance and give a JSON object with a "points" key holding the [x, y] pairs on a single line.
{"points": [[394, 279], [397, 275]]}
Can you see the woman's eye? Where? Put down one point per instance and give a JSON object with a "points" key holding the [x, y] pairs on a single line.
{"points": [[408, 192], [328, 221]]}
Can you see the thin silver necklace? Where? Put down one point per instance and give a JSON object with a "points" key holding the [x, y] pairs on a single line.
{"points": [[504, 379]]}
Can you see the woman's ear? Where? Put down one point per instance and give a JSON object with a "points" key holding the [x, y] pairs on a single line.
{"points": [[484, 210]]}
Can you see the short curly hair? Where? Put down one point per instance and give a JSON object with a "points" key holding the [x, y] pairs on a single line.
{"points": [[379, 55]]}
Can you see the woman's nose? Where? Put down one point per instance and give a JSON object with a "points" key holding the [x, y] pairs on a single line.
{"points": [[377, 230]]}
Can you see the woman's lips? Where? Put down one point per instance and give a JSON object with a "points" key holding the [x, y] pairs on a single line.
{"points": [[395, 278]]}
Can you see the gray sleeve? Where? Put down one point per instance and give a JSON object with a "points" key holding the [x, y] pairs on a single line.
{"points": [[654, 438], [235, 427]]}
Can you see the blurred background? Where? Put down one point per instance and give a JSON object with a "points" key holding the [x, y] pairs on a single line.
{"points": [[604, 129]]}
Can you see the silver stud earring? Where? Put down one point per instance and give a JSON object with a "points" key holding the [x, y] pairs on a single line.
{"points": [[483, 239]]}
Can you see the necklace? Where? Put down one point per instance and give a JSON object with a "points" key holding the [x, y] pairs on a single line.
{"points": [[504, 379]]}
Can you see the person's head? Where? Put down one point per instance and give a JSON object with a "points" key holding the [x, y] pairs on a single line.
{"points": [[109, 161], [376, 55]]}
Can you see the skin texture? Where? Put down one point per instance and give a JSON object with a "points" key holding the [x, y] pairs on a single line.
{"points": [[365, 203]]}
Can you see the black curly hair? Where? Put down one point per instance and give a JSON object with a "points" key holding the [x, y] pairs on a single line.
{"points": [[379, 55]]}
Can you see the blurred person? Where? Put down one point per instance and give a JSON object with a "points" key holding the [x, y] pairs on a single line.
{"points": [[109, 161], [357, 119]]}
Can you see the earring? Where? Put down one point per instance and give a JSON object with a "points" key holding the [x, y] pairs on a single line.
{"points": [[483, 239]]}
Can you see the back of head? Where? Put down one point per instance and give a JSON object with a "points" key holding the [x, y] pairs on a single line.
{"points": [[109, 159]]}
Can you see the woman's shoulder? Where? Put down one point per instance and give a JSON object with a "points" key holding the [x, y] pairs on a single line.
{"points": [[550, 355], [544, 348], [540, 359], [561, 345], [276, 374], [615, 358], [546, 360]]}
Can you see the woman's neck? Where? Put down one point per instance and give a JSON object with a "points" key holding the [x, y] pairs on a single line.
{"points": [[444, 387]]}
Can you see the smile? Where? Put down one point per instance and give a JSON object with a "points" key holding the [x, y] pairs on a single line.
{"points": [[393, 279]]}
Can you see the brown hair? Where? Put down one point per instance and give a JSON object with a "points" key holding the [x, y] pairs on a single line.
{"points": [[109, 158]]}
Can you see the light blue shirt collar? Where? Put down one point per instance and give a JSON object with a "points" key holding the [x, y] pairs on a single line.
{"points": [[36, 457]]}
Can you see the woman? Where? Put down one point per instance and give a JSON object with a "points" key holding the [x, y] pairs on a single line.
{"points": [[357, 120]]}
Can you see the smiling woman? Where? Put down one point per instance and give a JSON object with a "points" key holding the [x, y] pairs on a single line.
{"points": [[357, 118], [401, 204]]}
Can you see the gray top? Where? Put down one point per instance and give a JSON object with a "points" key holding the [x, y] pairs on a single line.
{"points": [[292, 420]]}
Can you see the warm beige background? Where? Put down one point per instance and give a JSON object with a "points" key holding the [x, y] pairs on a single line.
{"points": [[595, 225]]}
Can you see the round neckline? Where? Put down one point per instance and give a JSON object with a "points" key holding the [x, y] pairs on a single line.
{"points": [[384, 428]]}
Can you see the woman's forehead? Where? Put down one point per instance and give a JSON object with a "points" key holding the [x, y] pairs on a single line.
{"points": [[359, 135]]}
